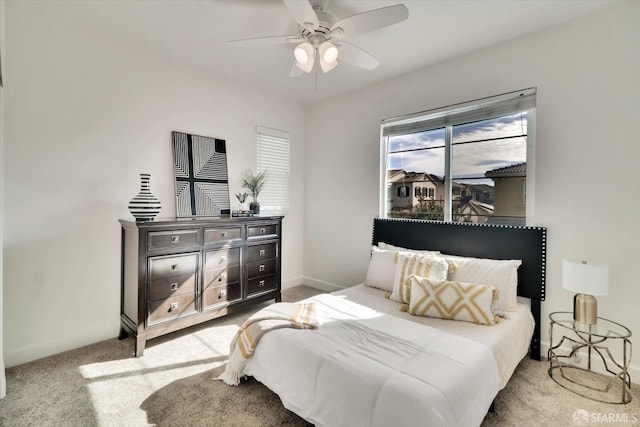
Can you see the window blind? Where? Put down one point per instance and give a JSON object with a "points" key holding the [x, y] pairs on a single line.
{"points": [[457, 114], [273, 158]]}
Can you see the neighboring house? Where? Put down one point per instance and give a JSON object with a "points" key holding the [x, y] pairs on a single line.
{"points": [[465, 209], [510, 193], [408, 190], [482, 193]]}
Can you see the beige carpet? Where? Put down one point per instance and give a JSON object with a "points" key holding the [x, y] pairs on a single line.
{"points": [[172, 385]]}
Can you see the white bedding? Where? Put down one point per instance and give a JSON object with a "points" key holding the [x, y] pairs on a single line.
{"points": [[379, 367], [509, 340]]}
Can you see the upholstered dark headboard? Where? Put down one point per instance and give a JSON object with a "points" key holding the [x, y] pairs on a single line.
{"points": [[528, 244]]}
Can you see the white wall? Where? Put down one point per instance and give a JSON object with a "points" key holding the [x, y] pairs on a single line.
{"points": [[587, 153], [84, 117], [3, 379]]}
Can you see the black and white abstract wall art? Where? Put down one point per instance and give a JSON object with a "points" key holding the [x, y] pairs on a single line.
{"points": [[202, 182]]}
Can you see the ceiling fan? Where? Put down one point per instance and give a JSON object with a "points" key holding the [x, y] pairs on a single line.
{"points": [[321, 37]]}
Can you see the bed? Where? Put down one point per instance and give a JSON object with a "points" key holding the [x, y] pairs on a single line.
{"points": [[372, 363]]}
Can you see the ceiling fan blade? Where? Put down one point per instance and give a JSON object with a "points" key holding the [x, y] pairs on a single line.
{"points": [[372, 20], [267, 40], [303, 13], [353, 55]]}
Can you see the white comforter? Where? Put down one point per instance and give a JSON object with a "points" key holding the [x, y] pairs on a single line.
{"points": [[365, 368], [509, 340]]}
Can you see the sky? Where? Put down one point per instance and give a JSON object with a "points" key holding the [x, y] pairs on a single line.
{"points": [[470, 159]]}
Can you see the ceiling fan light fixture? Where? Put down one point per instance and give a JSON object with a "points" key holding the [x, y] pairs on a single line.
{"points": [[303, 52], [328, 52], [318, 30], [327, 66], [304, 55]]}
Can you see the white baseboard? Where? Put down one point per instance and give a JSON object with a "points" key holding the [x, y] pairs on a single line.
{"points": [[634, 370], [322, 285], [291, 283], [38, 351]]}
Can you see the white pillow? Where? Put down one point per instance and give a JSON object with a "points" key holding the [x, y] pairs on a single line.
{"points": [[382, 269], [452, 300], [429, 266], [389, 247], [503, 274]]}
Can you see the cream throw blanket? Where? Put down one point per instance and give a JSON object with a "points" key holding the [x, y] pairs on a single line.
{"points": [[275, 316]]}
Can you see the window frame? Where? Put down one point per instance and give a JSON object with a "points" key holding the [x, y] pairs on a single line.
{"points": [[453, 115]]}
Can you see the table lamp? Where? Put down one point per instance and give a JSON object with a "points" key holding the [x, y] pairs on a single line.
{"points": [[586, 280]]}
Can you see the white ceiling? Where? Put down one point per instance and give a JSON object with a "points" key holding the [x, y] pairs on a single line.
{"points": [[196, 31]]}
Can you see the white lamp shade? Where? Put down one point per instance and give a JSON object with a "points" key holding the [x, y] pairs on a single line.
{"points": [[328, 52], [583, 278], [304, 54], [327, 66]]}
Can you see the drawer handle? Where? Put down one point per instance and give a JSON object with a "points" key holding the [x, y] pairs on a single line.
{"points": [[224, 234], [222, 277], [262, 252], [175, 239], [174, 286], [261, 268], [174, 306], [262, 230], [222, 259], [261, 283], [174, 267], [222, 294]]}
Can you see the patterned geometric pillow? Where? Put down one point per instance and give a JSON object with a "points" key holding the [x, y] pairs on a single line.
{"points": [[422, 265], [452, 300]]}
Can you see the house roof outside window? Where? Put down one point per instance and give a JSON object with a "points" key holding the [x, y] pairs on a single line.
{"points": [[516, 170]]}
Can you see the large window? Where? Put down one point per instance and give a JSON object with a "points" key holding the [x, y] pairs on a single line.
{"points": [[463, 163], [273, 158]]}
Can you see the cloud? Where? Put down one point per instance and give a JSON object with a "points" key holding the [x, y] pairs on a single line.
{"points": [[434, 138], [431, 161], [469, 158]]}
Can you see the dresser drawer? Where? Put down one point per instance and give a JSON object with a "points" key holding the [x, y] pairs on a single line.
{"points": [[222, 258], [261, 284], [172, 239], [171, 308], [162, 267], [261, 268], [222, 294], [222, 235], [222, 276], [164, 288], [260, 252], [260, 231]]}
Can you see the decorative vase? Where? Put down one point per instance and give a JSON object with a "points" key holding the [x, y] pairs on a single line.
{"points": [[244, 206], [144, 206], [254, 207]]}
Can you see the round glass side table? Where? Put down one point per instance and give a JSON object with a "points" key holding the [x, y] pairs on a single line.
{"points": [[585, 358]]}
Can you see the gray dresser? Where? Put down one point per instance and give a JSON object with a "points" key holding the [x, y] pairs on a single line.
{"points": [[180, 272]]}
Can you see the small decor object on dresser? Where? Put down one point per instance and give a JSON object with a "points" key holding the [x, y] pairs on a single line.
{"points": [[144, 206], [254, 184], [242, 198]]}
